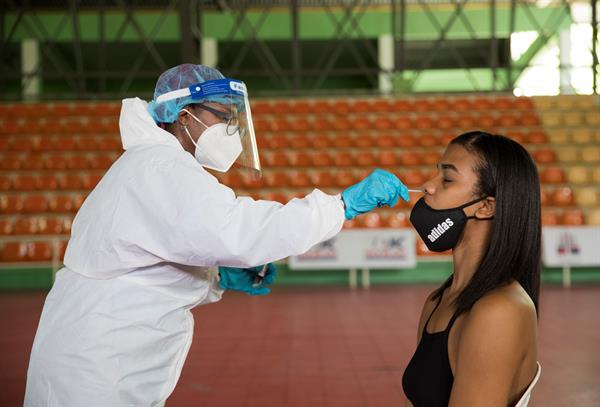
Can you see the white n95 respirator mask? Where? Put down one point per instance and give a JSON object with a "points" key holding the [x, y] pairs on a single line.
{"points": [[216, 148]]}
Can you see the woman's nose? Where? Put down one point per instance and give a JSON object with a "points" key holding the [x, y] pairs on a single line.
{"points": [[428, 188]]}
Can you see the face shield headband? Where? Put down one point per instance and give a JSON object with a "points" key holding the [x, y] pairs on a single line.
{"points": [[231, 92]]}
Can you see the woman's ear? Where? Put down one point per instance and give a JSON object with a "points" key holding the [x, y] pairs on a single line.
{"points": [[182, 118], [487, 210]]}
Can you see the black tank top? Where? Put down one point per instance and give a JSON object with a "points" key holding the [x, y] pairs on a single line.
{"points": [[428, 378]]}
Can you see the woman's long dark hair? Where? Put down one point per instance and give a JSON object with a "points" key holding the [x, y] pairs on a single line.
{"points": [[507, 172]]}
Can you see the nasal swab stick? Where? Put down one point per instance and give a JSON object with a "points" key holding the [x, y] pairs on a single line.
{"points": [[415, 190]]}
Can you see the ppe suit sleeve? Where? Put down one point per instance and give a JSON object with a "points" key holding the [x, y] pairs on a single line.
{"points": [[198, 221]]}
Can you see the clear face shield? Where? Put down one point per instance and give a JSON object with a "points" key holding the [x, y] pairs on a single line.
{"points": [[233, 96]]}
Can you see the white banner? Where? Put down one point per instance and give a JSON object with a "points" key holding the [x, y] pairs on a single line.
{"points": [[369, 248], [571, 246]]}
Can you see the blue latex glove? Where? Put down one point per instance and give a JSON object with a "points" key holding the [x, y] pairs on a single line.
{"points": [[378, 189], [247, 280]]}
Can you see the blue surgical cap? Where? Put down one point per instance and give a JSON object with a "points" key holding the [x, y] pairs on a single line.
{"points": [[179, 77]]}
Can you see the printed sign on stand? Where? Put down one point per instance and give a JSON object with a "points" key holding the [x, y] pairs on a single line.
{"points": [[371, 248], [573, 246]]}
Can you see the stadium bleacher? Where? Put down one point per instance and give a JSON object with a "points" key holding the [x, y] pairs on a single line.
{"points": [[53, 154]]}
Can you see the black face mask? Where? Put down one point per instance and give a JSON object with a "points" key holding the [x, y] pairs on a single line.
{"points": [[440, 229]]}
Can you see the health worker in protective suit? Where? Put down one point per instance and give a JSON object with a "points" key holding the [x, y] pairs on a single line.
{"points": [[160, 235]]}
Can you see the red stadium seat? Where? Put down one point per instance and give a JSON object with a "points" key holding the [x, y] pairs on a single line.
{"points": [[278, 142], [61, 204], [26, 226], [108, 143], [300, 125], [403, 123], [441, 105], [322, 159], [466, 122], [544, 156], [430, 158], [424, 123], [56, 162], [322, 124], [530, 119], [69, 181], [340, 108], [550, 218], [250, 181], [573, 217], [371, 220], [344, 179], [385, 141], [89, 181], [5, 183], [78, 200], [553, 175], [562, 197], [363, 141], [86, 143], [65, 143], [77, 162], [323, 179], [25, 183], [35, 204], [397, 219], [299, 179], [536, 137], [47, 182], [321, 142], [428, 140], [362, 106], [21, 143], [413, 178], [279, 125], [277, 159], [301, 107], [281, 107], [423, 105], [402, 106], [301, 159], [33, 161], [343, 141], [299, 141], [365, 159], [381, 106], [260, 107], [382, 123], [406, 141], [101, 161], [276, 179], [6, 226], [343, 159], [39, 251], [52, 226], [11, 203], [445, 123], [409, 159], [387, 159], [14, 252]]}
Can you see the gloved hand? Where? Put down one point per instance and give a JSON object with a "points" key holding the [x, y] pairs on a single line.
{"points": [[233, 278], [378, 189]]}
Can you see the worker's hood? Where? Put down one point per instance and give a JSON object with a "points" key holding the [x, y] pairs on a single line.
{"points": [[138, 127]]}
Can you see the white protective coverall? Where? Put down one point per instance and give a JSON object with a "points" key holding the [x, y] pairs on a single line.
{"points": [[144, 249]]}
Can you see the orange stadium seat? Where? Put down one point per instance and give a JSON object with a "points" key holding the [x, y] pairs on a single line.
{"points": [[65, 143], [11, 203], [51, 127], [69, 181], [543, 197], [47, 182], [260, 107], [536, 137], [381, 106], [4, 141], [56, 162], [387, 159], [301, 107], [465, 122], [5, 183], [523, 103], [361, 124], [25, 183], [550, 218], [249, 181], [10, 128], [503, 103], [343, 141], [364, 141], [279, 125], [385, 141], [323, 124], [530, 119], [508, 120], [276, 179], [77, 162], [299, 179], [321, 141], [232, 179], [20, 143], [431, 158], [108, 143], [587, 196], [409, 159], [277, 159], [78, 200], [397, 219], [404, 123], [101, 161], [362, 106], [573, 217], [281, 107], [299, 141], [61, 110], [14, 252], [482, 103], [344, 179], [365, 159], [300, 125], [341, 108], [52, 226], [441, 105], [6, 226], [86, 143], [428, 140], [39, 251], [320, 107], [424, 123], [371, 220], [343, 159], [276, 196], [323, 179], [445, 123], [544, 156], [413, 178], [406, 141], [26, 226], [322, 159], [35, 204], [383, 123], [33, 161], [61, 204], [422, 105], [301, 159], [562, 197], [402, 105], [579, 175], [553, 175], [278, 142]]}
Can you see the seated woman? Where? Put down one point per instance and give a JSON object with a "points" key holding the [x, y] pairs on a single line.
{"points": [[477, 336]]}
